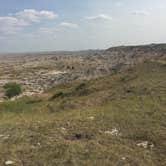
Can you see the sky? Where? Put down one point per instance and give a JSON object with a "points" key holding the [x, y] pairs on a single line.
{"points": [[50, 25]]}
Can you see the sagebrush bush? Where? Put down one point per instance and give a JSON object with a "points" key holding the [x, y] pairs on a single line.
{"points": [[12, 89]]}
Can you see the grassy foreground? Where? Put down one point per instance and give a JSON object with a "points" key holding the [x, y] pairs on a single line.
{"points": [[100, 122]]}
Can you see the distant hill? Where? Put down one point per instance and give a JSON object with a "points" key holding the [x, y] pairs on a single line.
{"points": [[153, 50]]}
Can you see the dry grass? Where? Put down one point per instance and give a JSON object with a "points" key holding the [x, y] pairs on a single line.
{"points": [[133, 102]]}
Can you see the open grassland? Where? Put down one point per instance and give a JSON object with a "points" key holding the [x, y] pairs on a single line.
{"points": [[94, 123]]}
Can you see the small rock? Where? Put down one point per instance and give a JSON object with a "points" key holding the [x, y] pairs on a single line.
{"points": [[9, 162], [38, 144], [107, 132], [91, 118], [123, 158], [6, 137], [143, 144], [113, 132], [63, 130], [1, 135]]}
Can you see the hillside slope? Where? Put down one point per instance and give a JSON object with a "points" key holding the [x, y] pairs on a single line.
{"points": [[39, 72], [113, 120]]}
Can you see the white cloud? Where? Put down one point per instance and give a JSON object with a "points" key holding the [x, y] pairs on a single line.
{"points": [[15, 22], [10, 25], [140, 13], [68, 25], [8, 20], [32, 15], [99, 17]]}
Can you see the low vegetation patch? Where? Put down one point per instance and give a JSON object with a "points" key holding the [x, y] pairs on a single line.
{"points": [[12, 89]]}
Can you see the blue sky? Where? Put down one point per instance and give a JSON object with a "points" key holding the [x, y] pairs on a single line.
{"points": [[49, 25]]}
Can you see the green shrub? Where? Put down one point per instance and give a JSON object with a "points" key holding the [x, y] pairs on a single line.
{"points": [[57, 95], [81, 86], [12, 89]]}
